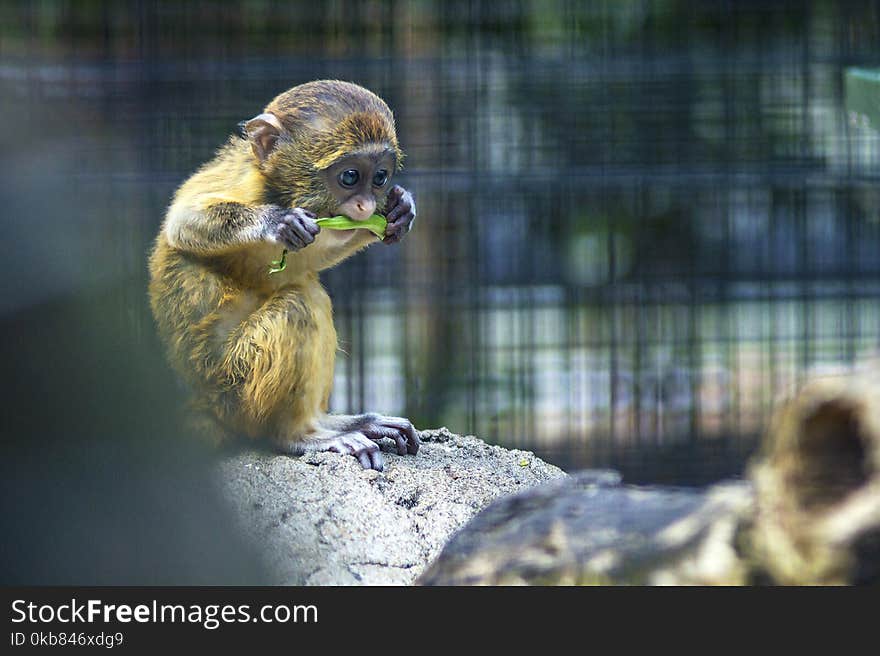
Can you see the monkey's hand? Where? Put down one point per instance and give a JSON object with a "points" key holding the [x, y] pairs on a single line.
{"points": [[400, 211], [294, 229]]}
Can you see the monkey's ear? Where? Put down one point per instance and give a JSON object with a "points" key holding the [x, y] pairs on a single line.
{"points": [[263, 132]]}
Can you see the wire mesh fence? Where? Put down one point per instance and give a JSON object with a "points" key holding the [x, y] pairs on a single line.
{"points": [[640, 223]]}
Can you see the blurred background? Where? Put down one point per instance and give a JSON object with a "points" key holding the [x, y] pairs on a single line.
{"points": [[640, 224]]}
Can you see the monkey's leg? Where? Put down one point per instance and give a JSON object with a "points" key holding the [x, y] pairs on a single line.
{"points": [[281, 357], [275, 368]]}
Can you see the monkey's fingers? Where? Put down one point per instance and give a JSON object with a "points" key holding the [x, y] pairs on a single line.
{"points": [[395, 194], [399, 213], [395, 232], [355, 444], [362, 448], [393, 199], [404, 427], [400, 219], [291, 238], [306, 221], [305, 229], [378, 432]]}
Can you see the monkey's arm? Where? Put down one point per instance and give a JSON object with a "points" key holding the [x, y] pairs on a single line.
{"points": [[224, 226]]}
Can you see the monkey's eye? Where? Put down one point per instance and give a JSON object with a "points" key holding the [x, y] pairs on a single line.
{"points": [[349, 178], [380, 178]]}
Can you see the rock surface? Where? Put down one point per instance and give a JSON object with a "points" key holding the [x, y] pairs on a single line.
{"points": [[321, 519], [809, 512]]}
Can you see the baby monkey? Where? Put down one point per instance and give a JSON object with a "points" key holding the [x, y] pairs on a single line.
{"points": [[258, 350]]}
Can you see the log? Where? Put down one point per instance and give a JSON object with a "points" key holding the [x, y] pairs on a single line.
{"points": [[817, 486], [809, 513]]}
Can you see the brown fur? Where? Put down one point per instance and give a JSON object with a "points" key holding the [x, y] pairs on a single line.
{"points": [[259, 350]]}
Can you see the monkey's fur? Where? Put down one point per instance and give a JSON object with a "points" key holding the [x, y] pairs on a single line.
{"points": [[257, 350]]}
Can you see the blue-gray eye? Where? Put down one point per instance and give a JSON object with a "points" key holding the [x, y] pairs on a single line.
{"points": [[380, 178], [350, 177]]}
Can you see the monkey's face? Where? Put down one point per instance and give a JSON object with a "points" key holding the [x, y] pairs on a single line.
{"points": [[326, 146], [359, 182]]}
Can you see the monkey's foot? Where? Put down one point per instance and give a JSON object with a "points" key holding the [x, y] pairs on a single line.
{"points": [[404, 434], [355, 444], [357, 435]]}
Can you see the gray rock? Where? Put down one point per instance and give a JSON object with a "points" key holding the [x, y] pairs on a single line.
{"points": [[321, 519]]}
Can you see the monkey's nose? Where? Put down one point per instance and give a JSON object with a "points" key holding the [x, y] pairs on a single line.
{"points": [[363, 208]]}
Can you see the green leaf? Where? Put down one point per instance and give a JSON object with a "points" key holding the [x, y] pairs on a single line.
{"points": [[375, 224], [280, 264]]}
